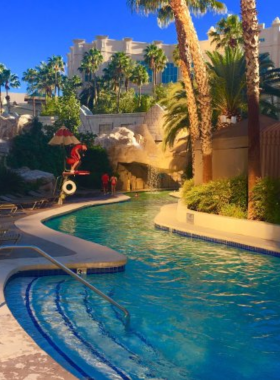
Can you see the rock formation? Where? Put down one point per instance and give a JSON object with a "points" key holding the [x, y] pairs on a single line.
{"points": [[12, 124]]}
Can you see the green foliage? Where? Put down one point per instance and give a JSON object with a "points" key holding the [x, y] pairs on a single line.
{"points": [[86, 138], [161, 92], [31, 149], [239, 191], [266, 200], [10, 181], [188, 185], [146, 103], [127, 102], [233, 211], [66, 108], [215, 197], [97, 162], [228, 197]]}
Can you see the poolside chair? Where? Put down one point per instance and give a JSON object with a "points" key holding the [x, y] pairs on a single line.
{"points": [[8, 209], [24, 202], [40, 194]]}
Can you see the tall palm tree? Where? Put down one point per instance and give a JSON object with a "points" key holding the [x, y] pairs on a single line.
{"points": [[58, 66], [156, 60], [90, 64], [251, 46], [8, 80], [116, 72], [139, 77], [31, 77], [191, 103], [187, 36], [46, 79], [228, 32], [2, 68]]}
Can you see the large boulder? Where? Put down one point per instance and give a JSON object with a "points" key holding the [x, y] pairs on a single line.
{"points": [[12, 124], [46, 179]]}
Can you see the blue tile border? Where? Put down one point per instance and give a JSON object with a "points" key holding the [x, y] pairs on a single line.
{"points": [[219, 241], [59, 272]]}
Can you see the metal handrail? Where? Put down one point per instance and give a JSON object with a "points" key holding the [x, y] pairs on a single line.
{"points": [[68, 271]]}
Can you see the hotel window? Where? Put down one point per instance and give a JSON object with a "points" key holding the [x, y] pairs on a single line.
{"points": [[170, 73]]}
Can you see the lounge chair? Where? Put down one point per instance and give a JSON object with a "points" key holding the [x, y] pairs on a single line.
{"points": [[24, 202], [44, 195], [8, 209]]}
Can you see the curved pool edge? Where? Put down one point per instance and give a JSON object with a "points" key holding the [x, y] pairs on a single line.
{"points": [[20, 356], [167, 219]]}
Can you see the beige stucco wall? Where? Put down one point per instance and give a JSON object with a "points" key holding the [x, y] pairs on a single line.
{"points": [[254, 229], [94, 123]]}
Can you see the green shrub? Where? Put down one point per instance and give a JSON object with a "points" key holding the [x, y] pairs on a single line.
{"points": [[234, 211], [31, 149], [187, 186], [266, 200], [239, 191], [96, 161], [209, 197]]}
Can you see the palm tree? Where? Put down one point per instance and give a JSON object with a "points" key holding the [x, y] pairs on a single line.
{"points": [[45, 79], [90, 64], [2, 68], [139, 77], [228, 94], [228, 32], [8, 80], [31, 77], [191, 103], [189, 48], [56, 63], [251, 46], [117, 71], [70, 85], [156, 60]]}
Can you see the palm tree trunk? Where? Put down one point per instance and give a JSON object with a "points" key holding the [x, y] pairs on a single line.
{"points": [[95, 89], [185, 66], [251, 45], [1, 104], [183, 18], [118, 97], [140, 93], [55, 87]]}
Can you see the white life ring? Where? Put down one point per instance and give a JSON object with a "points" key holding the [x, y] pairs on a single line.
{"points": [[69, 187]]}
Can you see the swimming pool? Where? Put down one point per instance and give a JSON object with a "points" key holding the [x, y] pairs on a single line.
{"points": [[198, 310]]}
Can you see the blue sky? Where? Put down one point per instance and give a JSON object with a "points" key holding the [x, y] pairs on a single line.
{"points": [[34, 30]]}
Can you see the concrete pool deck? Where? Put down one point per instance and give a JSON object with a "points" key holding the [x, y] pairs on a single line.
{"points": [[20, 357]]}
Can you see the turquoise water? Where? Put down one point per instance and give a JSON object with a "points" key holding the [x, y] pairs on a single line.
{"points": [[198, 310]]}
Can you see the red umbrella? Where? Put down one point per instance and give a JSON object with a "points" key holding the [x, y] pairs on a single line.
{"points": [[64, 137]]}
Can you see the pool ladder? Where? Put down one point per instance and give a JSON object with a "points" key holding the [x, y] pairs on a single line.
{"points": [[70, 272]]}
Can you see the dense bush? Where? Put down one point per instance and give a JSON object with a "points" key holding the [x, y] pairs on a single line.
{"points": [[209, 197], [31, 149], [266, 200], [97, 162], [224, 197], [228, 197]]}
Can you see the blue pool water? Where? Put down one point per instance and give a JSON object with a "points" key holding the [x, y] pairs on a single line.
{"points": [[199, 311]]}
